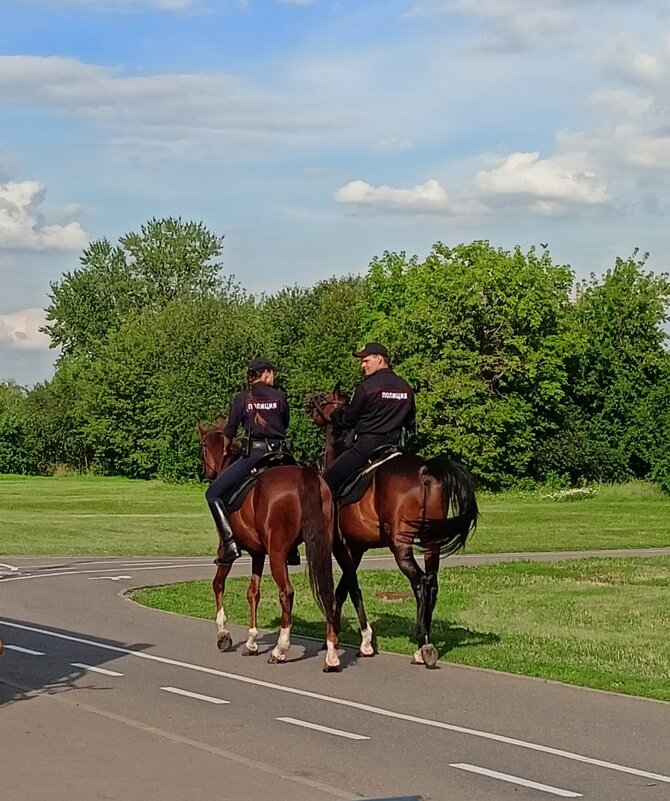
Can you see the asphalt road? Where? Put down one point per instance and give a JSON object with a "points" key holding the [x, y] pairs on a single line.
{"points": [[103, 699]]}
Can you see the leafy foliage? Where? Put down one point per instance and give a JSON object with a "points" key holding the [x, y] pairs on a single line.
{"points": [[519, 373]]}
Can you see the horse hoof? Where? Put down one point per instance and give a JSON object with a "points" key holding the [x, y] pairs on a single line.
{"points": [[272, 660], [248, 652], [367, 656], [332, 668], [429, 654], [224, 642]]}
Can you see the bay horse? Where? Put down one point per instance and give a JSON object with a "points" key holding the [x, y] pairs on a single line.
{"points": [[287, 505], [410, 500]]}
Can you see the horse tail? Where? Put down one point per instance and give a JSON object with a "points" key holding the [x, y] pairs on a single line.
{"points": [[448, 533], [318, 544]]}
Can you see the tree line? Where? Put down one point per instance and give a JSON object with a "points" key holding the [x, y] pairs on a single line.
{"points": [[522, 373]]}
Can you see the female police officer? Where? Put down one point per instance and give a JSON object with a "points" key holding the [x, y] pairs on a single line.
{"points": [[263, 412]]}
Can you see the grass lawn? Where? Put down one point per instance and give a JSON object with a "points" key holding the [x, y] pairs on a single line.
{"points": [[599, 623], [91, 516]]}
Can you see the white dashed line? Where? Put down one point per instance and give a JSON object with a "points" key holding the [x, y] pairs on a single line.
{"points": [[197, 696], [338, 732], [374, 710], [94, 669], [21, 650], [505, 777]]}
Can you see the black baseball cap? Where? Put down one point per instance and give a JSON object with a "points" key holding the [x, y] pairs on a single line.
{"points": [[372, 349], [260, 365]]}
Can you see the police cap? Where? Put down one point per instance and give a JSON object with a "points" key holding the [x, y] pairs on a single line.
{"points": [[372, 349]]}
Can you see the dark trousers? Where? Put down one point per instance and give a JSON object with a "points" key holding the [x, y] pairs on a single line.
{"points": [[234, 474], [351, 460]]}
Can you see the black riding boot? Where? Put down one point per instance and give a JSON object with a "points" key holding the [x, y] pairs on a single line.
{"points": [[229, 550], [293, 557]]}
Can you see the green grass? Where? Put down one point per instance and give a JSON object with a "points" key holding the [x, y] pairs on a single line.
{"points": [[599, 623], [116, 516]]}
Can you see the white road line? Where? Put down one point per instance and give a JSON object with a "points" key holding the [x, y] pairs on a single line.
{"points": [[326, 729], [505, 777], [11, 568], [104, 671], [198, 696], [24, 650], [374, 710], [82, 572]]}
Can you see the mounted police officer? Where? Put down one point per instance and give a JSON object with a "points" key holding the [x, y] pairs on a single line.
{"points": [[263, 412], [381, 407]]}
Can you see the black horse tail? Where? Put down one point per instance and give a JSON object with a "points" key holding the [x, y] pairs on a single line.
{"points": [[459, 506], [318, 537]]}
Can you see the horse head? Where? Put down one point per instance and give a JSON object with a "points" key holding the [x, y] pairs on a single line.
{"points": [[215, 456], [321, 405]]}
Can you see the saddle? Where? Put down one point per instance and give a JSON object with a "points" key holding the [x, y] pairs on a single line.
{"points": [[234, 498], [355, 487]]}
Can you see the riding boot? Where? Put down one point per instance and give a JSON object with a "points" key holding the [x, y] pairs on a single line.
{"points": [[229, 550], [293, 557]]}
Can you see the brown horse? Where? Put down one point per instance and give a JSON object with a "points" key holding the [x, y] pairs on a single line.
{"points": [[410, 500], [287, 505]]}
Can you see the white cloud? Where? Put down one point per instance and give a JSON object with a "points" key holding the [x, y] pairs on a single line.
{"points": [[393, 145], [127, 5], [21, 329], [23, 227], [564, 180], [177, 110], [427, 197], [508, 24]]}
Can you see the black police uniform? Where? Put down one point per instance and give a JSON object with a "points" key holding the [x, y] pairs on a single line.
{"points": [[263, 411], [382, 405]]}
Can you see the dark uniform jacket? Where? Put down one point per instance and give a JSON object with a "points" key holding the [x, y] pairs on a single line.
{"points": [[382, 403], [263, 411]]}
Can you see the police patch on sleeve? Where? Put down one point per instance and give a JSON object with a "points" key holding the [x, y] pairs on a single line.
{"points": [[394, 395], [262, 406]]}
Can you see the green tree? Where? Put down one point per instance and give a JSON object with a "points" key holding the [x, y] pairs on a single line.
{"points": [[15, 454], [476, 330], [168, 259], [619, 369]]}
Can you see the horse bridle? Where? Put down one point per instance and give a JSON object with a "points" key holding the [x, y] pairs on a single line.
{"points": [[314, 400]]}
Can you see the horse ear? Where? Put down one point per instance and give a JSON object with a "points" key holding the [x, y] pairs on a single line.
{"points": [[201, 432], [337, 392]]}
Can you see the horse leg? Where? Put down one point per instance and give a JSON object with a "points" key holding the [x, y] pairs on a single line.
{"points": [[432, 564], [349, 559], [425, 654], [223, 641], [254, 597], [279, 571]]}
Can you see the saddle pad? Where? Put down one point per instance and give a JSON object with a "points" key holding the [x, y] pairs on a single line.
{"points": [[357, 485]]}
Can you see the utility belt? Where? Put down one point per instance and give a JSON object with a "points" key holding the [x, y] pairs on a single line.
{"points": [[392, 437], [266, 444]]}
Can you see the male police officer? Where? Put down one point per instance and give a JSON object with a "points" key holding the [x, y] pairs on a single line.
{"points": [[382, 405], [263, 412]]}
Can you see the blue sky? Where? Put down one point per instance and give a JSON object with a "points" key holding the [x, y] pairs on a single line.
{"points": [[316, 135]]}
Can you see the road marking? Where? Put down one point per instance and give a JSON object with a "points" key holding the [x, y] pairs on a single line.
{"points": [[104, 671], [505, 777], [108, 578], [81, 572], [326, 729], [23, 650], [436, 724], [198, 696], [11, 568]]}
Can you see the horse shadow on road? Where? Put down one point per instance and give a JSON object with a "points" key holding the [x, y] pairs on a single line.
{"points": [[45, 662]]}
